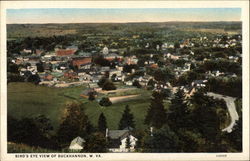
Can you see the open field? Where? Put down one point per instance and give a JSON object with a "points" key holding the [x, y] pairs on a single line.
{"points": [[218, 31], [47, 30], [28, 100]]}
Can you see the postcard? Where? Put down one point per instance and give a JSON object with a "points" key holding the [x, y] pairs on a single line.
{"points": [[124, 80]]}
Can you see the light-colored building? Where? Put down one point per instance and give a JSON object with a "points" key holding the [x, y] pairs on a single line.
{"points": [[77, 144], [118, 140]]}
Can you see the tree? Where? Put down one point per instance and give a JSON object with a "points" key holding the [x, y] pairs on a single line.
{"points": [[74, 123], [34, 79], [96, 143], [99, 60], [163, 75], [137, 84], [151, 84], [156, 114], [108, 85], [12, 68], [127, 119], [102, 81], [163, 140], [204, 119], [128, 143], [113, 77], [44, 124], [102, 124], [176, 45], [159, 76], [40, 67], [91, 96], [235, 137], [105, 101], [178, 112]]}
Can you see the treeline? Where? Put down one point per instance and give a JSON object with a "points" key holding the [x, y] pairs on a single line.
{"points": [[45, 43], [13, 74], [197, 122], [222, 66], [230, 87], [39, 133], [35, 131]]}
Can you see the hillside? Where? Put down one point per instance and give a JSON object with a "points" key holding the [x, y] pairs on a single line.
{"points": [[47, 30], [28, 100]]}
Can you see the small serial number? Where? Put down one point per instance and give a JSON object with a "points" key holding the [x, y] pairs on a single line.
{"points": [[221, 155]]}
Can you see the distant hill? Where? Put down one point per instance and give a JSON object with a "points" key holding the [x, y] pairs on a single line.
{"points": [[47, 30]]}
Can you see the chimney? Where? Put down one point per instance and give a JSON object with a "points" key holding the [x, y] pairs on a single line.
{"points": [[151, 131], [107, 131]]}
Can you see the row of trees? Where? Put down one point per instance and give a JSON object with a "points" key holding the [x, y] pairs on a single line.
{"points": [[230, 87], [38, 131], [197, 122]]}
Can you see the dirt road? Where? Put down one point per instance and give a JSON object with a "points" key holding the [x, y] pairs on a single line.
{"points": [[123, 98], [231, 109]]}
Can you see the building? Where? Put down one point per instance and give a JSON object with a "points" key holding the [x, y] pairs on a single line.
{"points": [[82, 62], [65, 52], [113, 56], [118, 138], [199, 83], [105, 50], [77, 144]]}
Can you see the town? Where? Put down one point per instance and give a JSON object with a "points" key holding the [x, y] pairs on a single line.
{"points": [[132, 87]]}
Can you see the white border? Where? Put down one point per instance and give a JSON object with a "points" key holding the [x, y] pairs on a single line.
{"points": [[244, 5]]}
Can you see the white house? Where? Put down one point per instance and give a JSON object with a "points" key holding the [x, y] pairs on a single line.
{"points": [[105, 50], [118, 138], [77, 144]]}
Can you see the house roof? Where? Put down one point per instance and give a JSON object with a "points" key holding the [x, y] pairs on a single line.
{"points": [[81, 61], [128, 128], [118, 134], [65, 52], [199, 81], [78, 140]]}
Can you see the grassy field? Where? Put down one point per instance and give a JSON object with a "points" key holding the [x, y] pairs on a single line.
{"points": [[28, 100], [23, 148]]}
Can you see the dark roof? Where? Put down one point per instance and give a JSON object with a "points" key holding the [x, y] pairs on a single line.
{"points": [[128, 128], [118, 134], [199, 81]]}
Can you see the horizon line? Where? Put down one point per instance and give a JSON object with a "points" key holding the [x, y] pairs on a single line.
{"points": [[116, 22]]}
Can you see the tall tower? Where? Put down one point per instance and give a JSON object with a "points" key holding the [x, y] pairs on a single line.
{"points": [[105, 50]]}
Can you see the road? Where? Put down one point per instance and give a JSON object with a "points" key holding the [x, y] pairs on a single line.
{"points": [[231, 109], [122, 98]]}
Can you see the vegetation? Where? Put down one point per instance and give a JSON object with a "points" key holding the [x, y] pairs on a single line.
{"points": [[40, 99], [74, 123], [102, 124], [127, 120], [47, 118], [96, 143], [156, 114], [105, 102], [31, 131]]}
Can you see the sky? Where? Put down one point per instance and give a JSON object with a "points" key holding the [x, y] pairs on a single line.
{"points": [[120, 15]]}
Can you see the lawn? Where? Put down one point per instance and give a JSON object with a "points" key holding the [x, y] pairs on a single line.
{"points": [[28, 100]]}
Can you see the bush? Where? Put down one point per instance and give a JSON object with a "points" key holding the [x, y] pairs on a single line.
{"points": [[108, 85], [91, 96], [105, 101], [136, 84]]}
